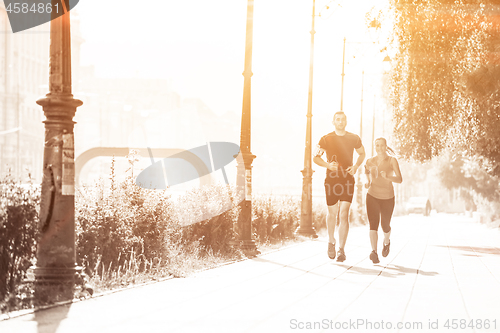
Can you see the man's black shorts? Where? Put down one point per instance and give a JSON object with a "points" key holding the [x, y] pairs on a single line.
{"points": [[339, 186]]}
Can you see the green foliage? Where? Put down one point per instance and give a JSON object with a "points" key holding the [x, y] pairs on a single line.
{"points": [[319, 215], [113, 225], [439, 80], [126, 234], [486, 135], [274, 218], [470, 176], [18, 234], [216, 207]]}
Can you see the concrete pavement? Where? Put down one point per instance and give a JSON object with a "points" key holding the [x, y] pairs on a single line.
{"points": [[442, 275]]}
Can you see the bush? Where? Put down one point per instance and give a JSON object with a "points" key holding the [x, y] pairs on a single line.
{"points": [[121, 223], [216, 209], [275, 218], [18, 233], [127, 234], [319, 211]]}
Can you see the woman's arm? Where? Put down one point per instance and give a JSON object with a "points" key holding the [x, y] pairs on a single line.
{"points": [[368, 176], [397, 178]]}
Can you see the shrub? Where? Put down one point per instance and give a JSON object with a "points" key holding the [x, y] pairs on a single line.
{"points": [[18, 233], [275, 218], [208, 215], [114, 225], [319, 211], [127, 234]]}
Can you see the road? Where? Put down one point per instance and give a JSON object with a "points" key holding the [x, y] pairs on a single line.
{"points": [[442, 275]]}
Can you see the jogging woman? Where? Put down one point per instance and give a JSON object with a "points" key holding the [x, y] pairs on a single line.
{"points": [[381, 170]]}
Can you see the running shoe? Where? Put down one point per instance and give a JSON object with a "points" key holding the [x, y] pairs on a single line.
{"points": [[331, 251], [374, 257], [341, 257], [386, 249]]}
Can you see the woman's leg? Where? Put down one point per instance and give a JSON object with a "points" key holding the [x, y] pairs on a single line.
{"points": [[373, 213], [387, 208]]}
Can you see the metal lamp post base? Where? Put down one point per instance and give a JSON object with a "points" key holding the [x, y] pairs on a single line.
{"points": [[54, 284], [249, 245], [54, 275], [306, 232]]}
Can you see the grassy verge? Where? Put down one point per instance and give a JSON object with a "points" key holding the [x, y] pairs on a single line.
{"points": [[126, 235]]}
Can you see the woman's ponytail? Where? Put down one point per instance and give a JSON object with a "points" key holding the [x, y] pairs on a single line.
{"points": [[389, 149]]}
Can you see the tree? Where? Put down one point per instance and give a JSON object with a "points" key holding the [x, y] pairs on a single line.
{"points": [[444, 82]]}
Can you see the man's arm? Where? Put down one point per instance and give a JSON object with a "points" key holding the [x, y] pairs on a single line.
{"points": [[317, 159], [320, 161], [361, 152]]}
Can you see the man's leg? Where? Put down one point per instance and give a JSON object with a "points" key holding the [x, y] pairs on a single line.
{"points": [[343, 229], [345, 205], [344, 222], [331, 220]]}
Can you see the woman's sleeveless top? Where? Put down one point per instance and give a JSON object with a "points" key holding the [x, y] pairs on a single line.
{"points": [[380, 188]]}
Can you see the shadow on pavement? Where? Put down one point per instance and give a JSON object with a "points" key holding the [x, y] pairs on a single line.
{"points": [[289, 266], [475, 249], [406, 270], [391, 271], [49, 320], [370, 271]]}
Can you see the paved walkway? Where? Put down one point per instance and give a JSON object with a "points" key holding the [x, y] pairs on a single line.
{"points": [[442, 269]]}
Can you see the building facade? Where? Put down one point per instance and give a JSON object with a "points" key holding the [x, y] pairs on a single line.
{"points": [[24, 58], [24, 78], [116, 112]]}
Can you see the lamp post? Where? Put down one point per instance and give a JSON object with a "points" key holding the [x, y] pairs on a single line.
{"points": [[305, 228], [359, 186], [56, 255], [373, 123], [342, 74], [244, 181], [359, 193], [387, 64]]}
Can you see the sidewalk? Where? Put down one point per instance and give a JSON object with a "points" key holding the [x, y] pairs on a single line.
{"points": [[440, 268]]}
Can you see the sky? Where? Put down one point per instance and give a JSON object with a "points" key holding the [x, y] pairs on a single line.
{"points": [[199, 46]]}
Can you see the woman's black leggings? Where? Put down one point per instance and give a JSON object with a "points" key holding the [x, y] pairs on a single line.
{"points": [[379, 210]]}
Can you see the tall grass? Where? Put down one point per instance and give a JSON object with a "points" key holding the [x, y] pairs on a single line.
{"points": [[274, 218], [128, 235]]}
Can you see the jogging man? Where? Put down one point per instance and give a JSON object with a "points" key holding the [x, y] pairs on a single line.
{"points": [[339, 146]]}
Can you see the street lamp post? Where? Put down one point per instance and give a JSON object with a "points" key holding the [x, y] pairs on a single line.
{"points": [[359, 193], [373, 123], [56, 255], [359, 196], [305, 228], [245, 167], [342, 74]]}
